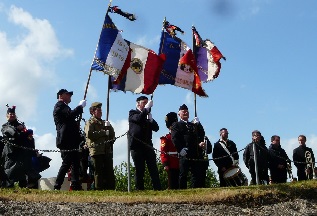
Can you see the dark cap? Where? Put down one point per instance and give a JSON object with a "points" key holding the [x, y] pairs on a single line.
{"points": [[183, 107], [170, 118], [63, 91], [11, 110], [96, 104], [141, 98]]}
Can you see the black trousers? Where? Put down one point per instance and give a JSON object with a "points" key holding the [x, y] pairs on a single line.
{"points": [[140, 157], [173, 179], [70, 159], [194, 167], [301, 174]]}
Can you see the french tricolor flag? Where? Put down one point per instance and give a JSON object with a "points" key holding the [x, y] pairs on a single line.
{"points": [[112, 50]]}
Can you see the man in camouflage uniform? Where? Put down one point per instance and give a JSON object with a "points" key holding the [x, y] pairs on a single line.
{"points": [[100, 138]]}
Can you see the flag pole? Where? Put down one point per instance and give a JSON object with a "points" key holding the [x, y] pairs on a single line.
{"points": [[108, 97], [90, 72], [194, 51]]}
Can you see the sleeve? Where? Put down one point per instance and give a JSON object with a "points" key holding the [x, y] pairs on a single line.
{"points": [[215, 155], [163, 155], [209, 146], [154, 126], [112, 134], [177, 138], [295, 158], [246, 156]]}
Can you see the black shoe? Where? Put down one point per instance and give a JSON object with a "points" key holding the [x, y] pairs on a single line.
{"points": [[57, 187]]}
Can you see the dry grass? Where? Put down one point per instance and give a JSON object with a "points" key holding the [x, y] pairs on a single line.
{"points": [[242, 196]]}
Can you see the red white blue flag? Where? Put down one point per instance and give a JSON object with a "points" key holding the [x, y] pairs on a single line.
{"points": [[112, 50], [180, 68], [208, 58], [141, 71]]}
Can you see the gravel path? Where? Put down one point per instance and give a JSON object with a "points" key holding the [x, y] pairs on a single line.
{"points": [[296, 207]]}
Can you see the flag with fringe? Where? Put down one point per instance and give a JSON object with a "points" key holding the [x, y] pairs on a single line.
{"points": [[180, 68], [207, 56], [112, 50]]}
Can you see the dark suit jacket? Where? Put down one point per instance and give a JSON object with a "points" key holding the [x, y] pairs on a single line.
{"points": [[140, 129], [188, 135], [68, 135], [219, 152], [299, 156]]}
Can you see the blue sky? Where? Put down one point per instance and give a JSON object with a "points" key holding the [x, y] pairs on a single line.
{"points": [[268, 82]]}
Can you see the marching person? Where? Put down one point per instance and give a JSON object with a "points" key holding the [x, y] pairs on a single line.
{"points": [[262, 158], [189, 142], [169, 154], [18, 152], [301, 155], [100, 138], [141, 125], [225, 156], [277, 161], [68, 138]]}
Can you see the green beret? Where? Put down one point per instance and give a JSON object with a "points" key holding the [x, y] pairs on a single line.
{"points": [[96, 104]]}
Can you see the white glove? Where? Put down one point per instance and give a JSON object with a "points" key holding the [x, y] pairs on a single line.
{"points": [[148, 105], [183, 152], [236, 162], [107, 123], [196, 120], [149, 117], [82, 103]]}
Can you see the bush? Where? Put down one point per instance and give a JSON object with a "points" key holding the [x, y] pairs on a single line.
{"points": [[121, 174]]}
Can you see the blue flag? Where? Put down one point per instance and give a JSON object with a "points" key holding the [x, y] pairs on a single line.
{"points": [[112, 50]]}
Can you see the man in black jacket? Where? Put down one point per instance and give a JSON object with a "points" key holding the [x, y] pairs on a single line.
{"points": [[301, 155], [141, 125], [188, 138], [262, 158], [277, 161], [68, 137], [225, 155]]}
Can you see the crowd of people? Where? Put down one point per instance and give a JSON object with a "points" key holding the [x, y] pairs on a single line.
{"points": [[183, 150]]}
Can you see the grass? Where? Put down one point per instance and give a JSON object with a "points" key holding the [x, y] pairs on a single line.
{"points": [[241, 196]]}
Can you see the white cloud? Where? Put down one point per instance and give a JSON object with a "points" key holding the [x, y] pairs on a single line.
{"points": [[25, 67]]}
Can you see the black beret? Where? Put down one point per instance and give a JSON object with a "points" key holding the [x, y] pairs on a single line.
{"points": [[63, 91], [183, 107], [170, 118], [11, 110], [141, 98]]}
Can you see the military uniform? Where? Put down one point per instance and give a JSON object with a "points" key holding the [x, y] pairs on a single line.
{"points": [[188, 135], [100, 139], [169, 158]]}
